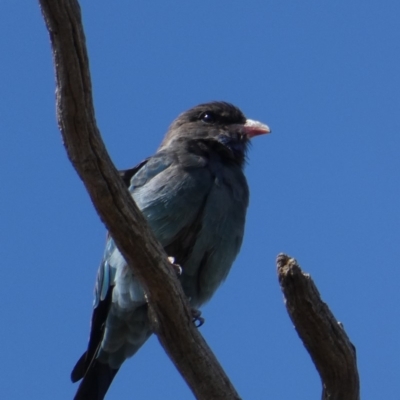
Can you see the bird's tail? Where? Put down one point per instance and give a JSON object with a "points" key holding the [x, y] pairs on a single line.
{"points": [[95, 381]]}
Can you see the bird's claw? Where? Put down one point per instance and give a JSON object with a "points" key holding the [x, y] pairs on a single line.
{"points": [[196, 317], [177, 268]]}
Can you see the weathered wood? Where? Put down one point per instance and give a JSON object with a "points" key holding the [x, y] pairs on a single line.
{"points": [[323, 336]]}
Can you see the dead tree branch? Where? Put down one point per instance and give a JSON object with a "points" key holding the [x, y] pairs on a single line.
{"points": [[170, 313], [323, 336]]}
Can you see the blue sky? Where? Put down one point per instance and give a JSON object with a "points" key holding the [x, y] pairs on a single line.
{"points": [[324, 185]]}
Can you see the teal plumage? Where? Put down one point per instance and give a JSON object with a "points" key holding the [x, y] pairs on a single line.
{"points": [[194, 195]]}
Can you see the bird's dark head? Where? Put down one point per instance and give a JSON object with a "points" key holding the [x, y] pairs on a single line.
{"points": [[218, 125]]}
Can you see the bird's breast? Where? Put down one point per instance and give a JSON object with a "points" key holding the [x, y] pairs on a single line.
{"points": [[219, 234]]}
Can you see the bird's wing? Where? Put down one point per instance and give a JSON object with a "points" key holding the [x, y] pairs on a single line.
{"points": [[106, 277], [127, 174], [172, 199], [170, 192]]}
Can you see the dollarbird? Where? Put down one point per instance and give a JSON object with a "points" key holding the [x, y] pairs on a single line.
{"points": [[194, 195]]}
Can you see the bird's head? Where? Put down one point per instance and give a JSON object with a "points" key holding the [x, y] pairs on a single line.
{"points": [[218, 125]]}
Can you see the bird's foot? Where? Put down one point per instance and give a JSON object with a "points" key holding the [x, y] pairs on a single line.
{"points": [[196, 317], [177, 268]]}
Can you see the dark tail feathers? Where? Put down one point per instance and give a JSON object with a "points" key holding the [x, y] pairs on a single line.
{"points": [[96, 379]]}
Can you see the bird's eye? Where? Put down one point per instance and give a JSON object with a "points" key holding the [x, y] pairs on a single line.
{"points": [[207, 117]]}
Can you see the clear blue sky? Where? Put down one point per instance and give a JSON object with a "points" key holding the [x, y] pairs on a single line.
{"points": [[324, 185]]}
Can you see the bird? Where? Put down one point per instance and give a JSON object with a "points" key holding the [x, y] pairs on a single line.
{"points": [[194, 196]]}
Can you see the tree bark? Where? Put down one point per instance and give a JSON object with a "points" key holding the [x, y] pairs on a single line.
{"points": [[323, 336], [169, 310]]}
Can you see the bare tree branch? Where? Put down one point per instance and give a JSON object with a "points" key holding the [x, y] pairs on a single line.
{"points": [[170, 312], [323, 336]]}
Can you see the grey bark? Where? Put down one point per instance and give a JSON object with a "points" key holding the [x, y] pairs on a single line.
{"points": [[323, 336]]}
